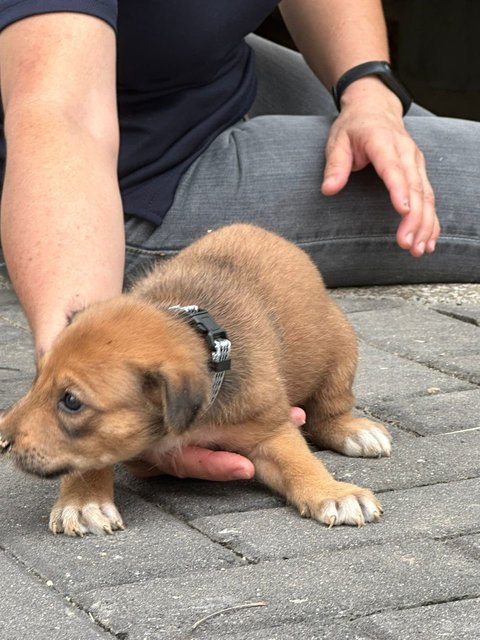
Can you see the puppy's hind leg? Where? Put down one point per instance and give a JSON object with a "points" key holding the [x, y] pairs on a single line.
{"points": [[331, 425], [86, 505], [284, 462]]}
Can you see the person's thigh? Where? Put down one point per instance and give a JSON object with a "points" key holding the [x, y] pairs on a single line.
{"points": [[268, 171], [287, 86]]}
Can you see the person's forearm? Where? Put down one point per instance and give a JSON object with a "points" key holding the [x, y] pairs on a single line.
{"points": [[336, 35], [61, 218]]}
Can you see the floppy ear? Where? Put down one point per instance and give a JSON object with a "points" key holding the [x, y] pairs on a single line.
{"points": [[180, 396]]}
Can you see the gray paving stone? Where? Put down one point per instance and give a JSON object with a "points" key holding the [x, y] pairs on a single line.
{"points": [[452, 620], [442, 413], [436, 511], [13, 315], [342, 585], [466, 367], [421, 294], [382, 376], [355, 304], [470, 545], [7, 298], [300, 631], [17, 366], [16, 350], [154, 543], [420, 334], [12, 387], [11, 335], [414, 462], [32, 609]]}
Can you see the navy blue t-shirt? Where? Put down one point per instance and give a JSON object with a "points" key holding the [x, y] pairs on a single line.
{"points": [[184, 74]]}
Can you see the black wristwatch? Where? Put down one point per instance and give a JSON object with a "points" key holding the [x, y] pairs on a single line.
{"points": [[383, 71]]}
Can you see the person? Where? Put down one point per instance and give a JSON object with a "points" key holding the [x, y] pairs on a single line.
{"points": [[133, 128]]}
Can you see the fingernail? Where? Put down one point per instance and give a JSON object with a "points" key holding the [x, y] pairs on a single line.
{"points": [[330, 181], [431, 246], [409, 239], [241, 474], [421, 248]]}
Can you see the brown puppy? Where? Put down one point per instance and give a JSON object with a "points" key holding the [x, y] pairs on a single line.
{"points": [[131, 374]]}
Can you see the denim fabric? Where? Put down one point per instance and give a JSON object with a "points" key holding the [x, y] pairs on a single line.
{"points": [[267, 169]]}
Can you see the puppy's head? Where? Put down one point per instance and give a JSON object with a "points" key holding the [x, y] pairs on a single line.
{"points": [[118, 379]]}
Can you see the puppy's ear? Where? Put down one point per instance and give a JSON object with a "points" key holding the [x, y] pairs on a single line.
{"points": [[178, 395]]}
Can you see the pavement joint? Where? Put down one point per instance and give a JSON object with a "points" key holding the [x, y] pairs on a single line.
{"points": [[43, 581], [427, 603], [458, 316]]}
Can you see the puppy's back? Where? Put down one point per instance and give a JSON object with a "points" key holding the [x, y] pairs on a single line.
{"points": [[247, 278]]}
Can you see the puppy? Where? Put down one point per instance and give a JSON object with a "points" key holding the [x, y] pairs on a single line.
{"points": [[137, 372]]}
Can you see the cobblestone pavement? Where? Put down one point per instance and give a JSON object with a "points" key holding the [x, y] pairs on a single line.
{"points": [[203, 560]]}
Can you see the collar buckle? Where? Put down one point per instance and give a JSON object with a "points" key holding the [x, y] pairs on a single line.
{"points": [[217, 340]]}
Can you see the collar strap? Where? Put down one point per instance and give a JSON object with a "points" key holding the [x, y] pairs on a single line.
{"points": [[217, 340]]}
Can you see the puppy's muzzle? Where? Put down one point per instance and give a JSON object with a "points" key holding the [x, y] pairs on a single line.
{"points": [[34, 463], [30, 462]]}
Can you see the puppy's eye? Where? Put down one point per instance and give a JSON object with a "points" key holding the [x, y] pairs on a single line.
{"points": [[70, 403]]}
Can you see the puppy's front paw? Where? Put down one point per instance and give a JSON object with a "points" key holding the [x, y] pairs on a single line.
{"points": [[78, 519], [339, 503], [366, 439]]}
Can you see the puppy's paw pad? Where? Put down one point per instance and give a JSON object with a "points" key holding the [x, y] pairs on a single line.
{"points": [[370, 441], [100, 519]]}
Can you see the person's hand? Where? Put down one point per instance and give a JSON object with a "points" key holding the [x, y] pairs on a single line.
{"points": [[370, 129], [196, 462]]}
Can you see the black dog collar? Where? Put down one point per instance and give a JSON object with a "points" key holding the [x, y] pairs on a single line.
{"points": [[217, 340]]}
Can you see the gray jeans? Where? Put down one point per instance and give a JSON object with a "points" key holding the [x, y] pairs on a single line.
{"points": [[267, 169]]}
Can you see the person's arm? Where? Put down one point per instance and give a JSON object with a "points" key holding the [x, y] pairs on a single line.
{"points": [[335, 36], [61, 217], [62, 223]]}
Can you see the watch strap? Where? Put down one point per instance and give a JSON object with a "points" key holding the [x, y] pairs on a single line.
{"points": [[383, 71]]}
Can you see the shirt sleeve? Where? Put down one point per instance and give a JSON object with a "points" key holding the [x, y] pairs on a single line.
{"points": [[13, 10]]}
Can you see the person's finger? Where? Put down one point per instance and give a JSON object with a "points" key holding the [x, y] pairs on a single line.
{"points": [[298, 416], [387, 162], [432, 243], [194, 462], [429, 231], [338, 165], [419, 225], [424, 231], [402, 169]]}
